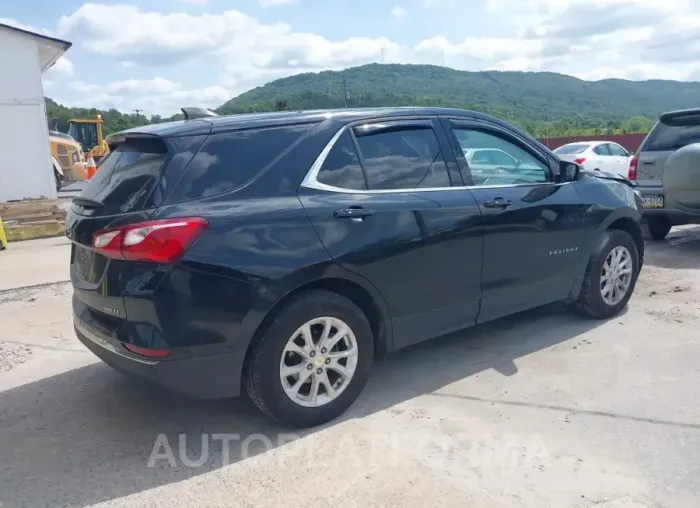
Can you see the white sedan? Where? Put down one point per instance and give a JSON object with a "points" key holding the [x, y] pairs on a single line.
{"points": [[597, 156]]}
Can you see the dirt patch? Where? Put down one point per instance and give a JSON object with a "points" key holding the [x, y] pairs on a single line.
{"points": [[12, 355]]}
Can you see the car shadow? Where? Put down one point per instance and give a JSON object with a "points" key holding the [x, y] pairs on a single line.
{"points": [[86, 436], [681, 249]]}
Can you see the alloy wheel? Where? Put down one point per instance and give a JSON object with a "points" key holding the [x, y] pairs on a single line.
{"points": [[318, 361], [616, 275]]}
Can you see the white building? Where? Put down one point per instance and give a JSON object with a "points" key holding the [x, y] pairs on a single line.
{"points": [[26, 170]]}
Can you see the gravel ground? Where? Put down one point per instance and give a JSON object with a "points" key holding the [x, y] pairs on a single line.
{"points": [[542, 409]]}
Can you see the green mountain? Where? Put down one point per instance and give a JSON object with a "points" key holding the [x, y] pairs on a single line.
{"points": [[543, 103], [525, 97]]}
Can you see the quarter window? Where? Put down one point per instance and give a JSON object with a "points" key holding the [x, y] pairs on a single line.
{"points": [[493, 160], [342, 166], [402, 158]]}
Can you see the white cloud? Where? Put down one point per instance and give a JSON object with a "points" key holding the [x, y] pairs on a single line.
{"points": [[398, 12], [271, 3], [591, 39], [157, 96], [62, 66], [30, 28]]}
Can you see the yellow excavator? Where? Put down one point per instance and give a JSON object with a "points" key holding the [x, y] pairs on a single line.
{"points": [[88, 132]]}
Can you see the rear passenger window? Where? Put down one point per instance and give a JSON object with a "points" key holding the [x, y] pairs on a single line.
{"points": [[602, 150], [342, 166], [229, 159], [407, 158]]}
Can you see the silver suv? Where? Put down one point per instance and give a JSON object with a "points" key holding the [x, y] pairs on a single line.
{"points": [[667, 170]]}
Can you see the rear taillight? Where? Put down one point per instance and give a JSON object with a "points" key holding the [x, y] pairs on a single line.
{"points": [[632, 172], [580, 160], [158, 241], [148, 352]]}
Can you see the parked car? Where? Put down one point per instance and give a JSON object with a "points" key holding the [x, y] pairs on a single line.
{"points": [[666, 169], [597, 156], [280, 254]]}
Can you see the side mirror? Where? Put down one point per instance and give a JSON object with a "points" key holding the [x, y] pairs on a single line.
{"points": [[568, 171]]}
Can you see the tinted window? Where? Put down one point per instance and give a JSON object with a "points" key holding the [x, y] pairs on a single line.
{"points": [[228, 160], [671, 137], [617, 151], [602, 150], [403, 159], [522, 167], [342, 166], [571, 149], [127, 176]]}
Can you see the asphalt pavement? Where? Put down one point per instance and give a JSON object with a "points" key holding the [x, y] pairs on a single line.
{"points": [[542, 409]]}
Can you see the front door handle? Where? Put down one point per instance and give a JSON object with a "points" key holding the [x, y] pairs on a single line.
{"points": [[354, 213], [498, 203]]}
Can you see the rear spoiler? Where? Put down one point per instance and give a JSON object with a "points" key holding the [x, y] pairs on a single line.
{"points": [[681, 117]]}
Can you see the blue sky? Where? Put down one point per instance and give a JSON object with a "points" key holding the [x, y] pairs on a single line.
{"points": [[158, 55]]}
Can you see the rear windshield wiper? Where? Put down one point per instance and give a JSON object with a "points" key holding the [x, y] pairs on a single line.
{"points": [[88, 203]]}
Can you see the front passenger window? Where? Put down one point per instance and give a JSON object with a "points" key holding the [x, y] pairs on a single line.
{"points": [[494, 160]]}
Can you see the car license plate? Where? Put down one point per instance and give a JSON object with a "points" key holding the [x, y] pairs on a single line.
{"points": [[655, 201]]}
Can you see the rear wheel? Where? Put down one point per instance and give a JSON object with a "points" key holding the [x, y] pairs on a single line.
{"points": [[611, 275], [312, 360], [656, 228], [58, 181]]}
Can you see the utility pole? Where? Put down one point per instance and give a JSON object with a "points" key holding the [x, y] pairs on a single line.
{"points": [[345, 92], [382, 55], [442, 58], [137, 111]]}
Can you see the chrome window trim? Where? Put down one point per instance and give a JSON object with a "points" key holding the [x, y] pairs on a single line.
{"points": [[310, 180]]}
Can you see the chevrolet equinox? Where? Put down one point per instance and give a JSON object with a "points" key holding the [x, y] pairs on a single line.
{"points": [[280, 254]]}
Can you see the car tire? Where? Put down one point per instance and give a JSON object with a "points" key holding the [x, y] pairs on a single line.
{"points": [[58, 181], [656, 228], [263, 378], [591, 300]]}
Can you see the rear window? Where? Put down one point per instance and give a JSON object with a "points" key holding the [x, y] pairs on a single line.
{"points": [[570, 149], [665, 137], [127, 176], [228, 160]]}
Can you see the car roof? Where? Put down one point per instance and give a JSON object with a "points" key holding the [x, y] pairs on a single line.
{"points": [[207, 125]]}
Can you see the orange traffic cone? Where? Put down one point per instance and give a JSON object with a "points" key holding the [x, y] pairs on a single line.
{"points": [[91, 167]]}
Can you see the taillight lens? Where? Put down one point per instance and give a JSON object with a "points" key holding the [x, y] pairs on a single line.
{"points": [[148, 352], [580, 160], [158, 241], [632, 173]]}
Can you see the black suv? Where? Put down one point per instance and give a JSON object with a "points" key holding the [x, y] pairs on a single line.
{"points": [[281, 253]]}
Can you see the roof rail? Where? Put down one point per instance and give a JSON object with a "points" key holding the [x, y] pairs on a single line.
{"points": [[194, 113]]}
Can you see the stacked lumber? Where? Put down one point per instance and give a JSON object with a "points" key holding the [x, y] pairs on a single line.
{"points": [[32, 218]]}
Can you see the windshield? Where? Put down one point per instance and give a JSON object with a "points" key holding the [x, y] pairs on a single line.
{"points": [[84, 133], [571, 149]]}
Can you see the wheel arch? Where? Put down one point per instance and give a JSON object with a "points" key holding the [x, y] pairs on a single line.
{"points": [[624, 219], [367, 299]]}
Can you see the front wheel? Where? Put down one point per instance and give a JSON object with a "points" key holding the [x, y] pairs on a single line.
{"points": [[312, 360], [611, 275]]}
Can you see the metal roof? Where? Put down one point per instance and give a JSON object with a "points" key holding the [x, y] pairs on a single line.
{"points": [[56, 47]]}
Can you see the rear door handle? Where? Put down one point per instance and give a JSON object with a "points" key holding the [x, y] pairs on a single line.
{"points": [[498, 203], [356, 214], [648, 163]]}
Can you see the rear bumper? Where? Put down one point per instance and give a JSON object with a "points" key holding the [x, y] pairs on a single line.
{"points": [[676, 214], [207, 377]]}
